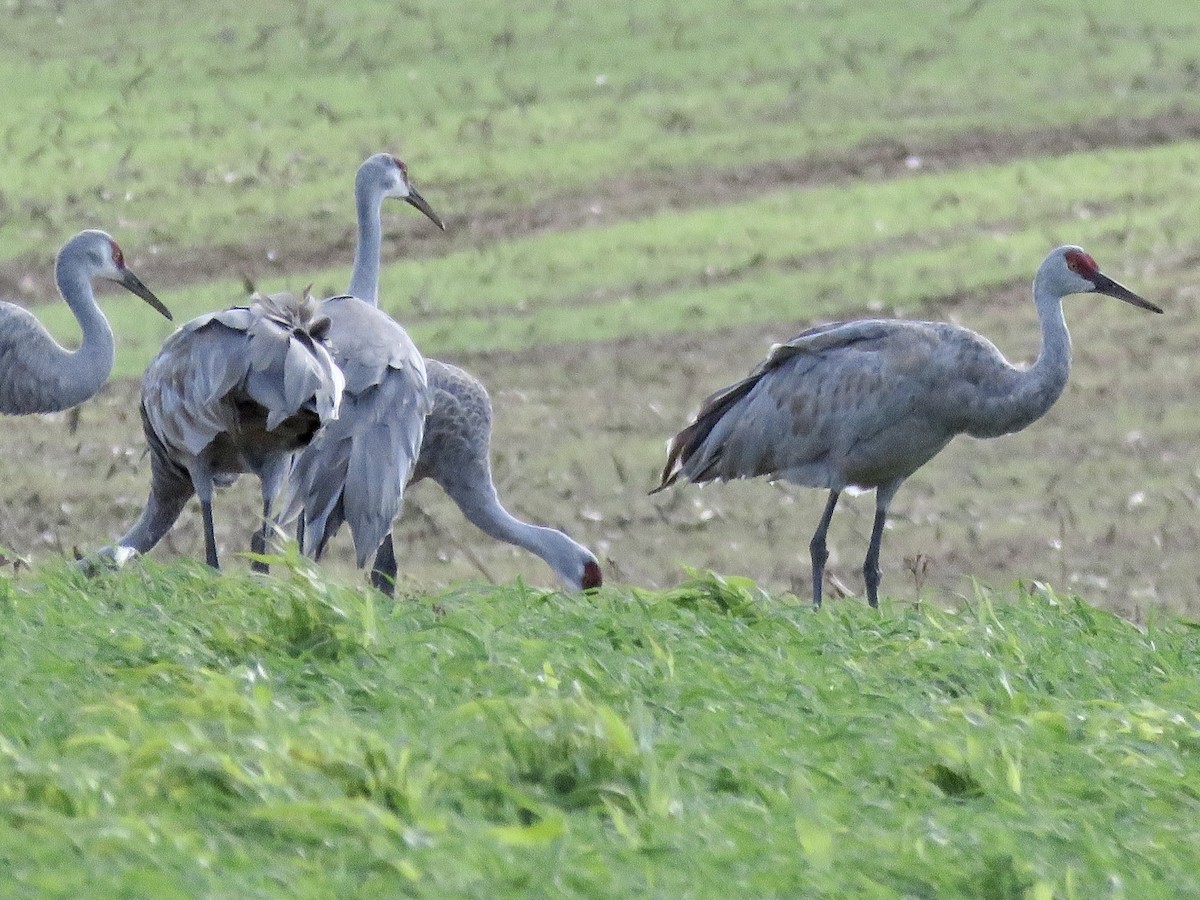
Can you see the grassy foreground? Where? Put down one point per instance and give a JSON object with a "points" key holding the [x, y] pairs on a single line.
{"points": [[166, 733]]}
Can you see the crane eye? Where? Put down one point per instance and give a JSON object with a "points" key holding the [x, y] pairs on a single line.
{"points": [[117, 255]]}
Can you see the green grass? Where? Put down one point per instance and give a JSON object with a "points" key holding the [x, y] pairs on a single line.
{"points": [[167, 733], [244, 122]]}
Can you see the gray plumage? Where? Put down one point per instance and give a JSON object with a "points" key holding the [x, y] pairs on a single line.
{"points": [[233, 391], [455, 453], [355, 471], [865, 404], [38, 375]]}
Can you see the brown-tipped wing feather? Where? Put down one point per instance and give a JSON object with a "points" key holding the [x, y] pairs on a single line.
{"points": [[813, 340]]}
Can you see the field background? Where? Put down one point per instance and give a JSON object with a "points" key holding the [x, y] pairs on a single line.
{"points": [[640, 200]]}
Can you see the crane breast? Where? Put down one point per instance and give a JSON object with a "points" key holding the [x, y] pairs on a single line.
{"points": [[37, 375]]}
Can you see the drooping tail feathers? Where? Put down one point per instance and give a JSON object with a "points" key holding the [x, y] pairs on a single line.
{"points": [[356, 468], [685, 444]]}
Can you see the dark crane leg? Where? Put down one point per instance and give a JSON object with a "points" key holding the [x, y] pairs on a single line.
{"points": [[258, 541], [383, 572], [871, 573], [210, 535], [818, 551], [202, 481]]}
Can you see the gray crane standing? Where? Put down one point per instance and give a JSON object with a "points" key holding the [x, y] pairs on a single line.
{"points": [[865, 404], [455, 446], [355, 470], [37, 375], [234, 391]]}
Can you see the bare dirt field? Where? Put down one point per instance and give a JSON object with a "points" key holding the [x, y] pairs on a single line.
{"points": [[1100, 497]]}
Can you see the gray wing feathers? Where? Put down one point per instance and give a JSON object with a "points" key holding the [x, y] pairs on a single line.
{"points": [[183, 389], [367, 343], [779, 417], [458, 430], [238, 353], [355, 470]]}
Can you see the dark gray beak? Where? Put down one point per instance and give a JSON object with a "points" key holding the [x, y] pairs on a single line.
{"points": [[134, 285], [1105, 285], [419, 202]]}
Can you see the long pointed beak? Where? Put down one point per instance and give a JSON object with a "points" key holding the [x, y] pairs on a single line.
{"points": [[419, 202], [134, 285], [1105, 285]]}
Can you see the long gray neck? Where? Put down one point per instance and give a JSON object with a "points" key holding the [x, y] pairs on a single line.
{"points": [[82, 372], [1038, 387], [483, 509], [364, 281]]}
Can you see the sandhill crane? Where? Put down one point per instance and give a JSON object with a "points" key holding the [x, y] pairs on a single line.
{"points": [[355, 470], [233, 391], [37, 375], [454, 450], [865, 404], [455, 454]]}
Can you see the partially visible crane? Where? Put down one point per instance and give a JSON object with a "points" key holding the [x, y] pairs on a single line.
{"points": [[356, 469], [865, 404], [455, 453], [37, 375], [234, 391]]}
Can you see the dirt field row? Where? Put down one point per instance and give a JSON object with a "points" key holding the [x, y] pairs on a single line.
{"points": [[30, 280]]}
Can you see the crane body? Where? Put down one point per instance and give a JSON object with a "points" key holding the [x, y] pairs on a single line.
{"points": [[455, 453], [233, 391], [864, 404]]}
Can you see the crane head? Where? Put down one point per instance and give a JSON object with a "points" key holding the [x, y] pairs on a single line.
{"points": [[125, 277], [390, 176], [97, 255], [1072, 270], [592, 577]]}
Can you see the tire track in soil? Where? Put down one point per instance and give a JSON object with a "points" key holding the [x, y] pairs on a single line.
{"points": [[30, 280]]}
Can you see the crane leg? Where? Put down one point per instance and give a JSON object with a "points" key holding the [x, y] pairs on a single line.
{"points": [[818, 551], [258, 541], [871, 573], [383, 572], [210, 536]]}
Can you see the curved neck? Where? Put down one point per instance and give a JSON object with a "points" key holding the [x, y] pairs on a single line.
{"points": [[82, 372], [483, 509], [364, 280], [1047, 377], [1036, 389]]}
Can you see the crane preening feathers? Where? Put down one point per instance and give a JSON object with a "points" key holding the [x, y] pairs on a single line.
{"points": [[865, 404], [239, 390]]}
